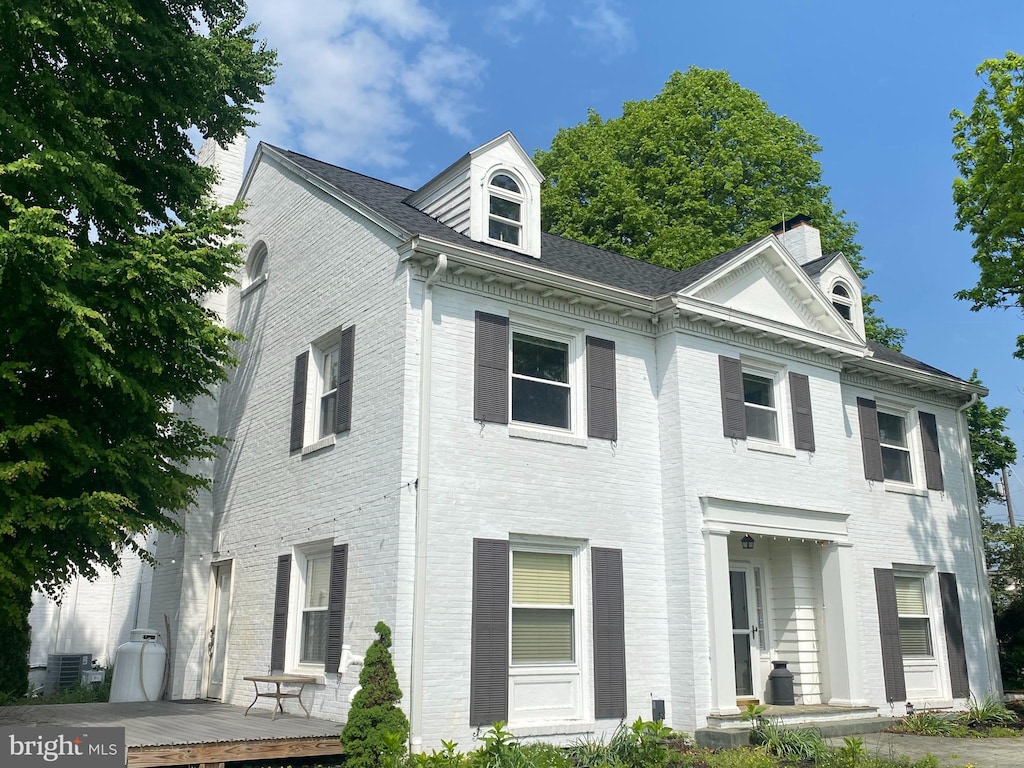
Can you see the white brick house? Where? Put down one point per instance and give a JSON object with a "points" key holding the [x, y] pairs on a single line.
{"points": [[574, 484]]}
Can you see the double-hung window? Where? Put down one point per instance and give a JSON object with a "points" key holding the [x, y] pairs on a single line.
{"points": [[759, 405], [329, 393], [543, 614], [892, 437], [505, 210], [315, 593], [322, 391], [914, 622], [541, 393]]}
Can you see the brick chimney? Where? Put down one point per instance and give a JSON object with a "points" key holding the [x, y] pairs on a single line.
{"points": [[799, 238]]}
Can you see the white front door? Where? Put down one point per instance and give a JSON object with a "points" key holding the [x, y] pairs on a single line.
{"points": [[218, 632], [746, 656]]}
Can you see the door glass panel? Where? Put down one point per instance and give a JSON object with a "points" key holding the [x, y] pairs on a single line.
{"points": [[738, 587], [741, 652]]}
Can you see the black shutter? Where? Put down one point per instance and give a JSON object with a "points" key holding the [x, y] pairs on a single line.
{"points": [[870, 444], [609, 633], [336, 607], [955, 651], [889, 631], [488, 686], [803, 423], [490, 395], [601, 414], [734, 414], [346, 363], [299, 400], [932, 459], [279, 633]]}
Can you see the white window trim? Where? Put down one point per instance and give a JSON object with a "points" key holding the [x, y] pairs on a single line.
{"points": [[932, 602], [522, 199], [575, 338], [574, 671], [296, 599], [846, 301], [780, 390], [315, 381], [912, 435]]}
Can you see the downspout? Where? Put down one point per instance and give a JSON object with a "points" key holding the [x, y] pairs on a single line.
{"points": [[419, 589], [995, 680]]}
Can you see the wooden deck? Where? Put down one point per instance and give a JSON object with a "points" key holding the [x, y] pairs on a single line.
{"points": [[181, 733]]}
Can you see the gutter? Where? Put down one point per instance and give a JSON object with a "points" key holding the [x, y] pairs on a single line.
{"points": [[995, 681], [419, 589]]}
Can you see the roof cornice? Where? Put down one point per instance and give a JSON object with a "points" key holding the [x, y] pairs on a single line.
{"points": [[884, 370]]}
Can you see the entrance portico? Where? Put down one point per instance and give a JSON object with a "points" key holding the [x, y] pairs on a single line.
{"points": [[794, 601]]}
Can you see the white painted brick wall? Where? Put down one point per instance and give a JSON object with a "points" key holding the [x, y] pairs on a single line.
{"points": [[329, 269]]}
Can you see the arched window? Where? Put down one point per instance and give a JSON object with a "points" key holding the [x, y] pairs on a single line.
{"points": [[505, 210], [256, 264], [842, 302]]}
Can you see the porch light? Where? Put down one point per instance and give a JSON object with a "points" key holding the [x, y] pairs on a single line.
{"points": [[747, 541]]}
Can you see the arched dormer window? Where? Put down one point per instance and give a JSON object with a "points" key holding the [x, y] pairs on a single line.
{"points": [[842, 302], [505, 210]]}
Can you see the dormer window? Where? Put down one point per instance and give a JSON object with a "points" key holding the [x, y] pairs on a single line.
{"points": [[842, 302], [505, 210]]}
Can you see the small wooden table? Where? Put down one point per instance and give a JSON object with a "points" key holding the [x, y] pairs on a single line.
{"points": [[277, 694]]}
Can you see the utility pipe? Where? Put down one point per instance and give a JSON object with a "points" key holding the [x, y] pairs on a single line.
{"points": [[974, 513], [419, 588]]}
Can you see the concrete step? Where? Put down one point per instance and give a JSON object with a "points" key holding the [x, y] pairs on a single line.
{"points": [[717, 737]]}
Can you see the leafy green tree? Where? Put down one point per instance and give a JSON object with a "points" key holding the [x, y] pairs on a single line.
{"points": [[107, 250], [376, 727], [15, 631], [989, 155], [991, 448], [702, 167]]}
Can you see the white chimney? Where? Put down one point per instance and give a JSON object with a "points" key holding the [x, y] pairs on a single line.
{"points": [[229, 163], [799, 238]]}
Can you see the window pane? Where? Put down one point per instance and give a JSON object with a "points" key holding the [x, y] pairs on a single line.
{"points": [[896, 465], [328, 405], [538, 403], [330, 370], [761, 423], [758, 390], [506, 233], [915, 637], [841, 291], [540, 358], [504, 181], [318, 581], [505, 208], [542, 636], [762, 636], [844, 310], [314, 637], [891, 430], [910, 595], [541, 577]]}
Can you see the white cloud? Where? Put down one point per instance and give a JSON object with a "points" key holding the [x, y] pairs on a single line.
{"points": [[357, 76], [604, 26]]}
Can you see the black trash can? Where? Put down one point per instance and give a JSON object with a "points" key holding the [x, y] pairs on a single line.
{"points": [[780, 684]]}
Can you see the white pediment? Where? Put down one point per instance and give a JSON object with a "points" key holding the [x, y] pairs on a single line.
{"points": [[766, 283]]}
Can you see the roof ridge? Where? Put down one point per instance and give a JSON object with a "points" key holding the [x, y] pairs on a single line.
{"points": [[339, 168]]}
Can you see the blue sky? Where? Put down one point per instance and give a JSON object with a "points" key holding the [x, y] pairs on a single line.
{"points": [[398, 89]]}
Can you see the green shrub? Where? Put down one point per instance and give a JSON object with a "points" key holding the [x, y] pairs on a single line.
{"points": [[930, 724], [17, 637], [770, 735], [376, 732], [989, 711]]}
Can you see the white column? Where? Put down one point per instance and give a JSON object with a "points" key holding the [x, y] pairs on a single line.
{"points": [[839, 593], [723, 669]]}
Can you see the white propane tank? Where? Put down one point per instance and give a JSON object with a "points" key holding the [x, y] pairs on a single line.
{"points": [[139, 668]]}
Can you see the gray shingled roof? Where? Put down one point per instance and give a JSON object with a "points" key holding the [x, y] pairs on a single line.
{"points": [[558, 254], [813, 268]]}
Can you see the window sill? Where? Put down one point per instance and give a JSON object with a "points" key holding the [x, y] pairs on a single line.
{"points": [[563, 438], [315, 672], [907, 490], [319, 445], [753, 444], [254, 285]]}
